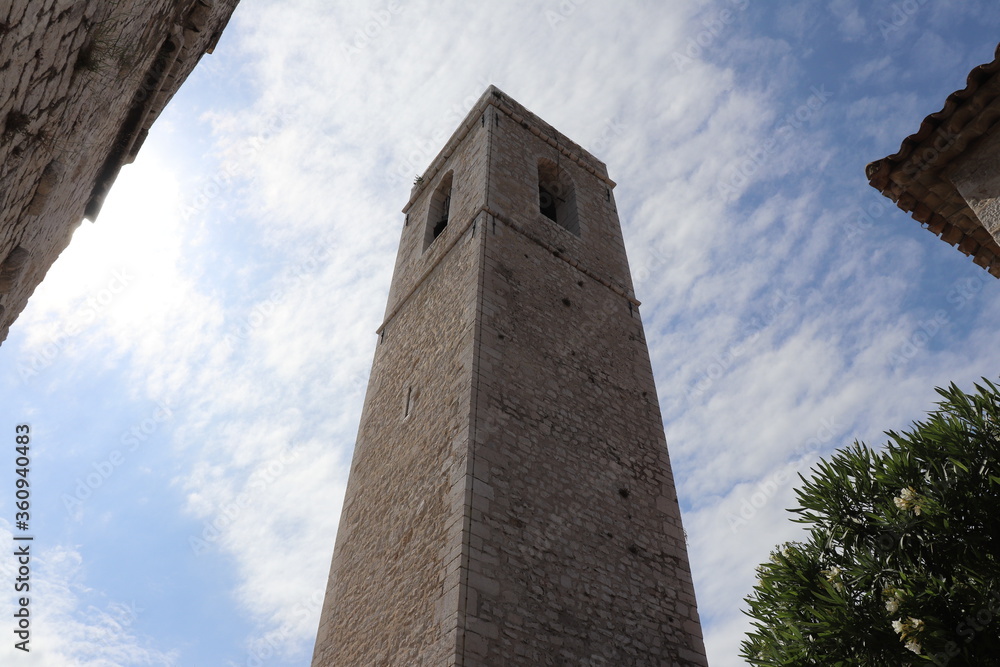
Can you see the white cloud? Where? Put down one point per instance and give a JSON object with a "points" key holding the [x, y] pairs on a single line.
{"points": [[851, 25], [69, 625]]}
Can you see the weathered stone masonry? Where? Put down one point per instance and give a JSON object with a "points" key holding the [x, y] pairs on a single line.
{"points": [[81, 82], [511, 499]]}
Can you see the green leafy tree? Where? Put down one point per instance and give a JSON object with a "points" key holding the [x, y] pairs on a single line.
{"points": [[902, 561]]}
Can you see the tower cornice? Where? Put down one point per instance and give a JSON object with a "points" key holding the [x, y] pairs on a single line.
{"points": [[496, 98]]}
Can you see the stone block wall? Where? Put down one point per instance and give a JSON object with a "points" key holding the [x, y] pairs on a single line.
{"points": [[976, 175], [576, 548], [81, 82]]}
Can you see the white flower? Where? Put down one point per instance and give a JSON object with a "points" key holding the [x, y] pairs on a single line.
{"points": [[907, 631], [894, 597], [908, 498], [833, 576]]}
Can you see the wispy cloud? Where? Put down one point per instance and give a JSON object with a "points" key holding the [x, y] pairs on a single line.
{"points": [[71, 627]]}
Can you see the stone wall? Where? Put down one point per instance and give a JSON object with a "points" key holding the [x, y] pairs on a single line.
{"points": [[81, 82], [976, 175]]}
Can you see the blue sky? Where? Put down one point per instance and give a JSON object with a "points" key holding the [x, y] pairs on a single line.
{"points": [[194, 364]]}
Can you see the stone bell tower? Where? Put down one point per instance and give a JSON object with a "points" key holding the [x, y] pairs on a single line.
{"points": [[510, 501]]}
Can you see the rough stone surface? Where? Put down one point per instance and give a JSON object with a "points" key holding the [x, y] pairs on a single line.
{"points": [[80, 84], [511, 500], [976, 174]]}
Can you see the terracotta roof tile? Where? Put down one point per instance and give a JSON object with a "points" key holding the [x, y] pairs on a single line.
{"points": [[912, 176], [955, 108]]}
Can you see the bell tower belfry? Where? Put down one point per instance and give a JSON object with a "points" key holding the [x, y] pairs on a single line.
{"points": [[510, 501]]}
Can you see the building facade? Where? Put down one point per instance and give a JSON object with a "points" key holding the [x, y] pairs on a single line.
{"points": [[80, 85], [947, 174], [510, 500]]}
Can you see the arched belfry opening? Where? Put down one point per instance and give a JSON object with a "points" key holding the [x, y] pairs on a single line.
{"points": [[557, 196], [438, 210]]}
